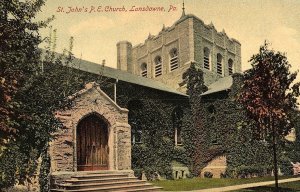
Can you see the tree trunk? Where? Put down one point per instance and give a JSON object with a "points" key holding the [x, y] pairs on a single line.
{"points": [[275, 155]]}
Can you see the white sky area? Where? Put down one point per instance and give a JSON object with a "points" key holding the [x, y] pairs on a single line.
{"points": [[249, 21]]}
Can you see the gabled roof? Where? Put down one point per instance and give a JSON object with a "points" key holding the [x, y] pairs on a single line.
{"points": [[222, 84], [92, 85], [99, 69]]}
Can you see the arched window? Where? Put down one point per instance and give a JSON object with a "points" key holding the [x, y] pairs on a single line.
{"points": [[230, 66], [177, 116], [144, 70], [213, 135], [136, 133], [158, 66], [174, 59], [219, 64], [206, 61], [134, 119]]}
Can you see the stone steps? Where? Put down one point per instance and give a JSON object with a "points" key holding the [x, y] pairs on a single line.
{"points": [[83, 181], [128, 188], [94, 185], [103, 182], [99, 176]]}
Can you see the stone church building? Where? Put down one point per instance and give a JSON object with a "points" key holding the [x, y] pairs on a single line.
{"points": [[96, 133], [166, 56]]}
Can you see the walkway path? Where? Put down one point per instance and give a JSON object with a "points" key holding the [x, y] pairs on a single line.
{"points": [[244, 186]]}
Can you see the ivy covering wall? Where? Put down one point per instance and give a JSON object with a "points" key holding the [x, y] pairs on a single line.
{"points": [[212, 125], [218, 125], [150, 117]]}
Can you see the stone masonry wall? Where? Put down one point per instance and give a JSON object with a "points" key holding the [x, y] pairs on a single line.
{"points": [[91, 100], [216, 42], [189, 35], [177, 36], [217, 166], [124, 147]]}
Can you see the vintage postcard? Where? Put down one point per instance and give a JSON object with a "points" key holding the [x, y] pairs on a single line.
{"points": [[136, 95]]}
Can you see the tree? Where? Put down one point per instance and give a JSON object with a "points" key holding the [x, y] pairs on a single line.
{"points": [[32, 87], [19, 39], [268, 94], [20, 56]]}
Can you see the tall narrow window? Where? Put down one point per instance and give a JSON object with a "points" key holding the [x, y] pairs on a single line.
{"points": [[144, 70], [134, 119], [174, 59], [158, 66], [230, 66], [219, 64], [206, 63], [177, 116], [136, 135]]}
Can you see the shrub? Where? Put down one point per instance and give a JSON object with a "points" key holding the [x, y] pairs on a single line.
{"points": [[286, 167], [208, 174], [224, 175], [138, 173]]}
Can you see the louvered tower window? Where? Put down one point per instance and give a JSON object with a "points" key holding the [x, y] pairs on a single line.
{"points": [[174, 59], [144, 70], [158, 66], [219, 64], [206, 61]]}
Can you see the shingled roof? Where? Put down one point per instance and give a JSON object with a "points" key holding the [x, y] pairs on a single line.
{"points": [[222, 84], [95, 68]]}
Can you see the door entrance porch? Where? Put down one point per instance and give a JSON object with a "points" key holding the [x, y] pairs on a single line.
{"points": [[92, 144], [95, 135]]}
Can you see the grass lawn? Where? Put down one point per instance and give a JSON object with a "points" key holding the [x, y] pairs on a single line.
{"points": [[205, 183]]}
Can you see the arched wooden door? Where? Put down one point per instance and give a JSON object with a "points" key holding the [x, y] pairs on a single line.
{"points": [[92, 144]]}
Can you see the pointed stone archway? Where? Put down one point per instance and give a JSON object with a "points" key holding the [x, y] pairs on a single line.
{"points": [[95, 135], [92, 144]]}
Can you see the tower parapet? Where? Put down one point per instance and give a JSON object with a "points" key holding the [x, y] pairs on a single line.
{"points": [[167, 55]]}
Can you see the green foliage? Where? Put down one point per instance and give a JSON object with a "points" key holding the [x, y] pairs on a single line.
{"points": [[19, 39], [285, 165], [32, 90], [8, 167], [60, 80], [150, 113], [16, 166], [211, 125], [218, 125], [247, 158], [195, 82], [269, 93], [193, 133], [154, 154], [44, 177], [20, 56], [208, 174], [292, 149], [33, 87]]}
